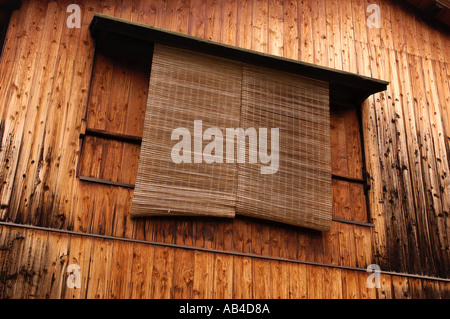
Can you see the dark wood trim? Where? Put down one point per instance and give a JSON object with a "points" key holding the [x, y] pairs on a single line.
{"points": [[4, 30], [365, 173], [77, 169], [348, 179], [112, 136], [353, 222], [104, 182], [10, 5]]}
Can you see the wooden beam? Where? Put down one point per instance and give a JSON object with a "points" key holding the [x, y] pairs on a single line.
{"points": [[9, 5], [111, 135]]}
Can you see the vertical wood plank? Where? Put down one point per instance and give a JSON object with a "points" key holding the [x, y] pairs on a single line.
{"points": [[275, 43], [334, 27], [183, 274], [16, 99], [279, 272], [53, 269], [242, 277], [363, 245], [223, 276], [162, 274], [260, 26], [262, 279], [315, 275], [242, 235], [203, 275], [228, 21], [141, 271], [364, 291], [331, 245], [121, 271], [213, 25], [306, 44], [65, 184], [347, 37], [400, 287], [415, 288], [347, 246], [290, 30], [333, 283], [14, 243], [197, 18], [36, 108], [244, 24], [373, 34], [385, 291], [298, 281], [319, 28], [99, 269], [79, 254], [350, 285]]}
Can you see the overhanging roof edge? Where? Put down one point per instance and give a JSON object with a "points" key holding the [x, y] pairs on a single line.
{"points": [[355, 87]]}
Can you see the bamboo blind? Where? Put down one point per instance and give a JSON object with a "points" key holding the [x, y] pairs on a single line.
{"points": [[184, 87], [187, 86], [300, 192]]}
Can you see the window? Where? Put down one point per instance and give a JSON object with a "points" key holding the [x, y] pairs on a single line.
{"points": [[277, 163], [289, 183], [112, 127], [349, 176]]}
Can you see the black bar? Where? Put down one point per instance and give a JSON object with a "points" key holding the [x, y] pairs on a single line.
{"points": [[104, 182], [366, 175], [113, 136], [348, 179], [353, 222]]}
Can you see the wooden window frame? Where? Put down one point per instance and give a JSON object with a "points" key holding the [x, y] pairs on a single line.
{"points": [[364, 181], [346, 89], [110, 136], [108, 45]]}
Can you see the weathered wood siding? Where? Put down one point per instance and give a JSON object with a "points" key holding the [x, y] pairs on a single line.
{"points": [[45, 74], [34, 264]]}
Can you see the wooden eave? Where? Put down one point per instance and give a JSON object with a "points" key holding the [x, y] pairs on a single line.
{"points": [[345, 87], [9, 5]]}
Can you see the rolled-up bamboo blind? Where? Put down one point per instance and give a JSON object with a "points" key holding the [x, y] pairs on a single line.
{"points": [[299, 193], [186, 87]]}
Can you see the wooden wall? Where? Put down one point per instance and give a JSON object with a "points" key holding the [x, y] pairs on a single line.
{"points": [[45, 87], [34, 265]]}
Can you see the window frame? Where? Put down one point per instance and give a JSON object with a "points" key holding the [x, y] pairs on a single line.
{"points": [[346, 89]]}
